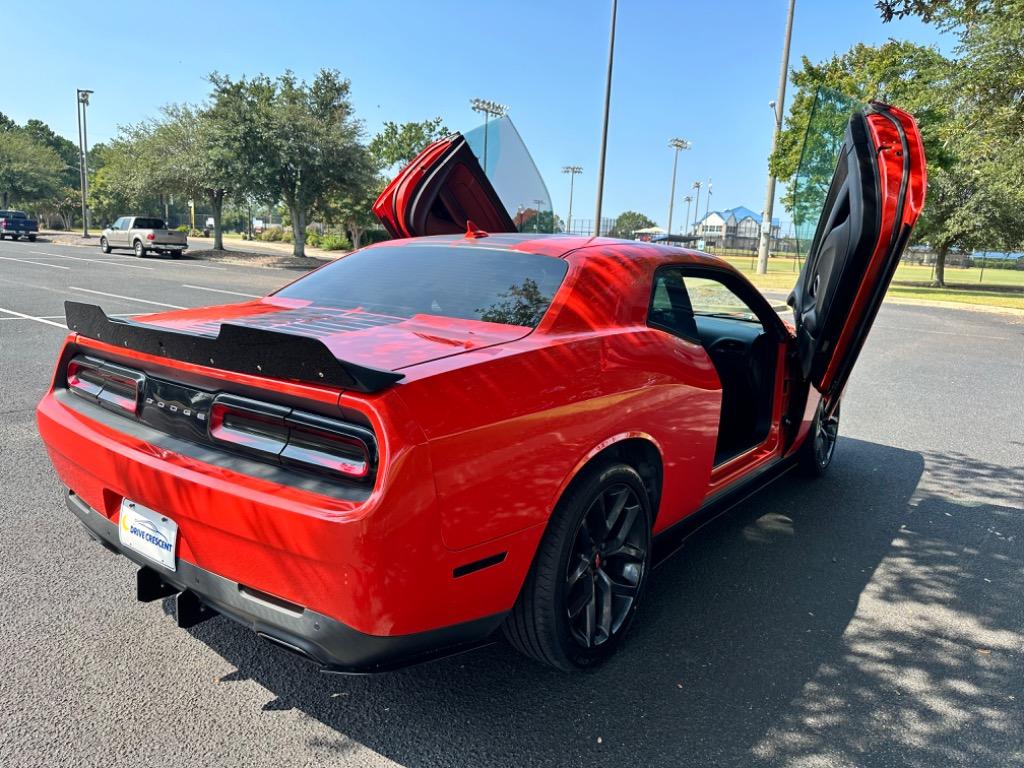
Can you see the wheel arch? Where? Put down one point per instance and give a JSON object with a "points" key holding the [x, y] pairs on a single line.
{"points": [[637, 449]]}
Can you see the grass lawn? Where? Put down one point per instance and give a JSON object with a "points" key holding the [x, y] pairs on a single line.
{"points": [[964, 287]]}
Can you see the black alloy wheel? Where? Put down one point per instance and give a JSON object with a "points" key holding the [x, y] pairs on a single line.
{"points": [[589, 573], [820, 446], [606, 566]]}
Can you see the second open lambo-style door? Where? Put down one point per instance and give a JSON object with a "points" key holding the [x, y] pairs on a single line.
{"points": [[873, 201], [486, 177]]}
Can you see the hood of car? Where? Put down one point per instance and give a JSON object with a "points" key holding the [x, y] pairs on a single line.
{"points": [[352, 333]]}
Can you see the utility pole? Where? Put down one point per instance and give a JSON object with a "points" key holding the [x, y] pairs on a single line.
{"points": [[676, 144], [604, 129], [572, 170], [81, 102], [696, 208], [489, 109], [778, 106]]}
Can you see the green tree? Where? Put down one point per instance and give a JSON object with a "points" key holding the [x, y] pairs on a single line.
{"points": [[910, 76], [353, 209], [30, 172], [299, 142], [970, 204], [184, 152], [399, 144], [120, 182], [629, 222], [64, 200]]}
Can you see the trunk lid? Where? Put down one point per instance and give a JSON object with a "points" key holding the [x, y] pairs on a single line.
{"points": [[351, 334]]}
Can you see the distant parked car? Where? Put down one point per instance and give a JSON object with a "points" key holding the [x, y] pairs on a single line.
{"points": [[15, 224], [143, 234]]}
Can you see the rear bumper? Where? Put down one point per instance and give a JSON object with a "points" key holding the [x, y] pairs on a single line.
{"points": [[331, 644]]}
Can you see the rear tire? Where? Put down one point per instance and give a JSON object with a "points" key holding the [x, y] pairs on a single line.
{"points": [[589, 572], [820, 445], [104, 245], [140, 249], [31, 238]]}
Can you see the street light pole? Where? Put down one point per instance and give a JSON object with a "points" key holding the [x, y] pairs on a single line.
{"points": [[604, 128], [572, 170], [489, 108], [676, 144], [81, 102], [779, 109], [686, 222]]}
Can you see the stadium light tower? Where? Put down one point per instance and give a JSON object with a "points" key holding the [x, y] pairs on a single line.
{"points": [[490, 109], [676, 144], [696, 208], [82, 101], [572, 170]]}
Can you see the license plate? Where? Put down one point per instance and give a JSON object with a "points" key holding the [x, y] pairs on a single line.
{"points": [[149, 533]]}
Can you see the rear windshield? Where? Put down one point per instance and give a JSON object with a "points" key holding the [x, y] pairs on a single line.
{"points": [[461, 282], [149, 224], [12, 215]]}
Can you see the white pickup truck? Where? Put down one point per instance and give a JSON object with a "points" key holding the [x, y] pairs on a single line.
{"points": [[143, 234]]}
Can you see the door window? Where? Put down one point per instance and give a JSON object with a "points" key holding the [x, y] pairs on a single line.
{"points": [[670, 308], [710, 297]]}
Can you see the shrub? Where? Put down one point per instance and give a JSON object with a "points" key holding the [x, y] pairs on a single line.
{"points": [[182, 228], [371, 236], [313, 238], [335, 242]]}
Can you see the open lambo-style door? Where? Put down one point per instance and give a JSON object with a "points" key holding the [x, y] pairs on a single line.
{"points": [[871, 205], [485, 176]]}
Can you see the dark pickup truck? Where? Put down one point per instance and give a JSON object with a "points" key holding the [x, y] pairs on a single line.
{"points": [[15, 224]]}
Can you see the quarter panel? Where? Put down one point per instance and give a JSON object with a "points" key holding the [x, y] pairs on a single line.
{"points": [[506, 433]]}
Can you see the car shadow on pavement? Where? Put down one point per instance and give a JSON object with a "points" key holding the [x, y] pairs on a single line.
{"points": [[870, 617]]}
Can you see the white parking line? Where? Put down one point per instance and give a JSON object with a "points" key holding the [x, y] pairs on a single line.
{"points": [[56, 317], [126, 298], [22, 316], [98, 261], [37, 263], [220, 290]]}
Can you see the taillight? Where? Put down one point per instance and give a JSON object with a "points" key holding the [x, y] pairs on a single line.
{"points": [[109, 385], [249, 424], [329, 445], [296, 438], [150, 236]]}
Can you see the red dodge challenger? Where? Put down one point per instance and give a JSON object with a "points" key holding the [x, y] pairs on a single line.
{"points": [[470, 428]]}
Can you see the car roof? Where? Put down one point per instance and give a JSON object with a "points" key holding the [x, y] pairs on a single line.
{"points": [[576, 246]]}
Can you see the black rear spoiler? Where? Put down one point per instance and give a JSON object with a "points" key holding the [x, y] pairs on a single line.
{"points": [[236, 348]]}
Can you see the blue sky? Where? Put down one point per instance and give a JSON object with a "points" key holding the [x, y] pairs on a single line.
{"points": [[700, 70]]}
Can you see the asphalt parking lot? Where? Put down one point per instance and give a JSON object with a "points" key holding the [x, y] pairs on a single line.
{"points": [[873, 618]]}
